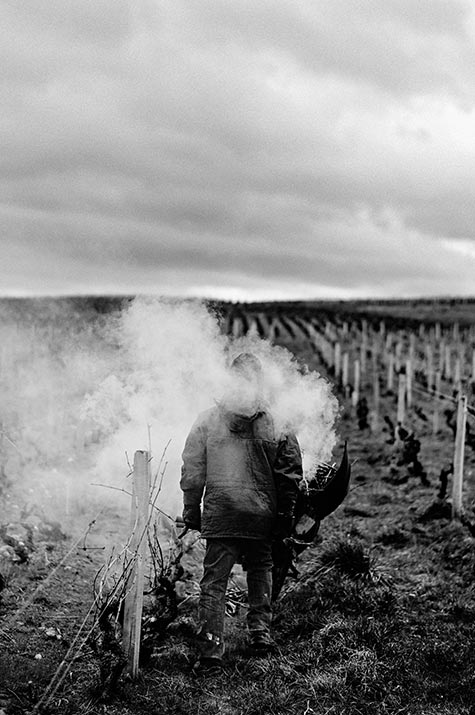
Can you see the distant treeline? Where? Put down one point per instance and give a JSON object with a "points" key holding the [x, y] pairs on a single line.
{"points": [[446, 310]]}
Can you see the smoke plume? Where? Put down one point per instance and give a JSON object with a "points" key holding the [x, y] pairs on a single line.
{"points": [[174, 363], [82, 393]]}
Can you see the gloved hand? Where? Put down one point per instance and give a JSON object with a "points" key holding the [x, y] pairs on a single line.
{"points": [[192, 517], [283, 525]]}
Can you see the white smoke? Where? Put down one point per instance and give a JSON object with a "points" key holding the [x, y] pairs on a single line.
{"points": [[174, 363], [77, 396], [51, 356]]}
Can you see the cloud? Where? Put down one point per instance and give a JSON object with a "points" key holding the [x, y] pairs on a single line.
{"points": [[369, 256], [399, 46], [221, 144]]}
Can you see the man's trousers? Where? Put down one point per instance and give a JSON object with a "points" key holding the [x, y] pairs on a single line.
{"points": [[220, 557]]}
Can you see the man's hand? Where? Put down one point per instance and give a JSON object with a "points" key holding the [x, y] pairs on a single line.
{"points": [[192, 517], [282, 526]]}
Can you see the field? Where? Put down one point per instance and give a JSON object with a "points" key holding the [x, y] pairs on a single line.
{"points": [[380, 618]]}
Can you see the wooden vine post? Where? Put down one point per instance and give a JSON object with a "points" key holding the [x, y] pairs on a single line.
{"points": [[337, 361], [345, 370], [448, 363], [457, 506], [376, 398], [430, 367], [133, 603], [437, 388], [412, 347], [409, 383], [401, 398], [364, 347], [458, 375], [390, 380], [397, 355], [442, 356], [355, 395]]}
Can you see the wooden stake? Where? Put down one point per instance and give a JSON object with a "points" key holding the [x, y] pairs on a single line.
{"points": [[133, 604], [458, 376], [363, 352], [238, 328], [448, 363], [375, 351], [355, 396], [337, 361], [253, 329], [409, 383], [344, 376], [457, 506], [364, 347], [376, 400], [364, 326], [435, 421], [430, 367], [390, 382], [441, 356], [398, 355], [401, 398]]}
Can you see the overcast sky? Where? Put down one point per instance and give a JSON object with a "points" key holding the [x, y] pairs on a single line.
{"points": [[240, 149]]}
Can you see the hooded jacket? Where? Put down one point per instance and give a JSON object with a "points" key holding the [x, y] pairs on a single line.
{"points": [[242, 471]]}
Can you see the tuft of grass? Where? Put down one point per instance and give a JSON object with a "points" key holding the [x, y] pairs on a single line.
{"points": [[351, 558]]}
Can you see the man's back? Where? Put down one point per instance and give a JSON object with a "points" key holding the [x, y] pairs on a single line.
{"points": [[233, 456]]}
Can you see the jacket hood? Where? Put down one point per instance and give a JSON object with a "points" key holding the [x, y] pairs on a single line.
{"points": [[241, 423], [238, 421]]}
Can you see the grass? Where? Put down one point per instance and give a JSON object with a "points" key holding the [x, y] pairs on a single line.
{"points": [[379, 622], [349, 643]]}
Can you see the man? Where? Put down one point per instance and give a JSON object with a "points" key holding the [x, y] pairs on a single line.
{"points": [[248, 478]]}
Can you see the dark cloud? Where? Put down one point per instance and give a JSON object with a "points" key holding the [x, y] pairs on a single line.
{"points": [[200, 143], [360, 258]]}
